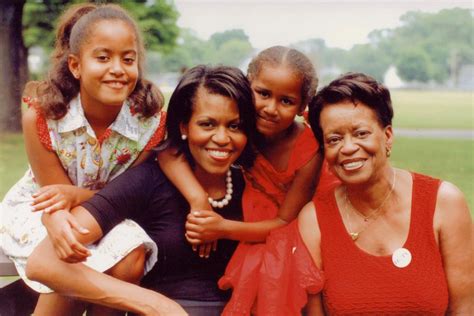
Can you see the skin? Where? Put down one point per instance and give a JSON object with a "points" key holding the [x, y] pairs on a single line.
{"points": [[355, 148], [277, 91], [107, 70], [214, 126]]}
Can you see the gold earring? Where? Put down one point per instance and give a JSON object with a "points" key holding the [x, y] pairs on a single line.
{"points": [[389, 152]]}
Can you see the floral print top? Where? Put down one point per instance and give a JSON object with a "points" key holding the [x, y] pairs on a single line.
{"points": [[91, 162]]}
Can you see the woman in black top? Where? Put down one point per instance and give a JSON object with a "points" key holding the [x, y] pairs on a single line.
{"points": [[211, 120]]}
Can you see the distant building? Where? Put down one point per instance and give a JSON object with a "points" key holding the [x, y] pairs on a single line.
{"points": [[466, 77], [392, 80]]}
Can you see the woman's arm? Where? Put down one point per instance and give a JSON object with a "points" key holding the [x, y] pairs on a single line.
{"points": [[453, 223], [57, 191], [84, 283], [203, 225]]}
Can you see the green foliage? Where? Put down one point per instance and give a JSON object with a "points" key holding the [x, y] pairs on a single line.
{"points": [[414, 65], [233, 52], [230, 48], [223, 37], [156, 18], [427, 46], [367, 59], [437, 45]]}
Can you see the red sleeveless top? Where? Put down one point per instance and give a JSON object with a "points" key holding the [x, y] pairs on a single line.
{"points": [[360, 283]]}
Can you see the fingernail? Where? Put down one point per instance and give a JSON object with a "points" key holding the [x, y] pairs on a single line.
{"points": [[195, 212], [84, 230]]}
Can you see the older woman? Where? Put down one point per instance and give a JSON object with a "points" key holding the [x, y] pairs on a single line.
{"points": [[211, 119], [389, 241]]}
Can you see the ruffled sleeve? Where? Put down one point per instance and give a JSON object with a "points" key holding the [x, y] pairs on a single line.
{"points": [[159, 134], [41, 123], [287, 275]]}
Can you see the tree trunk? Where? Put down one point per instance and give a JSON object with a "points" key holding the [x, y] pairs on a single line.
{"points": [[13, 64]]}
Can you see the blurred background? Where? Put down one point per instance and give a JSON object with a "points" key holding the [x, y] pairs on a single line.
{"points": [[422, 50]]}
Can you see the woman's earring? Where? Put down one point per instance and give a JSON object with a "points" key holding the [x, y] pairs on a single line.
{"points": [[389, 152], [184, 137]]}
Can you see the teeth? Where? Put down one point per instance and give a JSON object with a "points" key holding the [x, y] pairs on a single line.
{"points": [[218, 153], [353, 165], [116, 84]]}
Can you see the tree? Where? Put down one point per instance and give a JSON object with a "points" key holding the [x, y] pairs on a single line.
{"points": [[222, 37], [233, 52], [37, 20], [12, 64], [414, 65], [437, 44], [229, 48]]}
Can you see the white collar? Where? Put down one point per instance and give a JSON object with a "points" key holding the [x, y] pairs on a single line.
{"points": [[125, 124]]}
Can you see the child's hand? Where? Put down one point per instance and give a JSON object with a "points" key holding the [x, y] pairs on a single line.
{"points": [[59, 226], [55, 197], [205, 226]]}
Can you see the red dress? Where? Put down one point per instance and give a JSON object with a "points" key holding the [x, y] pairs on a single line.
{"points": [[265, 190], [360, 283]]}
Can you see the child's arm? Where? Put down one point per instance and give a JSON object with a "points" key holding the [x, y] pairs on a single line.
{"points": [[178, 171], [204, 226], [57, 191]]}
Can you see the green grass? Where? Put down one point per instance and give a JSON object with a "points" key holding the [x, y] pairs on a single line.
{"points": [[433, 109], [13, 161], [449, 160]]}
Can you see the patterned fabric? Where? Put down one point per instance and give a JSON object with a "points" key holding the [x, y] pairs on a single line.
{"points": [[90, 163]]}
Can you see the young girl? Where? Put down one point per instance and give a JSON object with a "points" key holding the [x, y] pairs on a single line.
{"points": [[89, 121], [283, 178]]}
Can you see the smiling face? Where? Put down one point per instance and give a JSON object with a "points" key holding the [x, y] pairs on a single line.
{"points": [[355, 143], [107, 65], [277, 91], [214, 136]]}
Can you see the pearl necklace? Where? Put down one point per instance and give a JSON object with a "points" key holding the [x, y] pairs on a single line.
{"points": [[374, 215], [228, 194]]}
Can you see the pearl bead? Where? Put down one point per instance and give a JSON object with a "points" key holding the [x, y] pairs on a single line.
{"points": [[228, 195]]}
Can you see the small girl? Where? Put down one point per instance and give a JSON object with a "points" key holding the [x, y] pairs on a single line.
{"points": [[282, 179], [89, 121]]}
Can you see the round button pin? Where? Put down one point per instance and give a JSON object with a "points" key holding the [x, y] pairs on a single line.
{"points": [[401, 257]]}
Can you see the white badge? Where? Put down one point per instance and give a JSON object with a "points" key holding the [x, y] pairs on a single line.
{"points": [[401, 258]]}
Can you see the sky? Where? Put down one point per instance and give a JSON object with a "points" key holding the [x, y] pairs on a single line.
{"points": [[341, 23]]}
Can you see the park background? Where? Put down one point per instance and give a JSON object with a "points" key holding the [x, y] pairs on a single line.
{"points": [[422, 50]]}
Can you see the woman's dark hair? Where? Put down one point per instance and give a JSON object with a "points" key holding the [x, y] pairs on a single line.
{"points": [[295, 60], [74, 28], [225, 81], [355, 88]]}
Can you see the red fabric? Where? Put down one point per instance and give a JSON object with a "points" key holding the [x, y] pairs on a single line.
{"points": [[41, 124], [287, 275], [159, 133], [264, 192], [360, 283]]}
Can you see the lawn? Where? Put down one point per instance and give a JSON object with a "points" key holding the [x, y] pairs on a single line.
{"points": [[433, 109], [450, 160]]}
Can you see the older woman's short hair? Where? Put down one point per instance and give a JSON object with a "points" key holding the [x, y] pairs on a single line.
{"points": [[355, 88], [225, 81]]}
